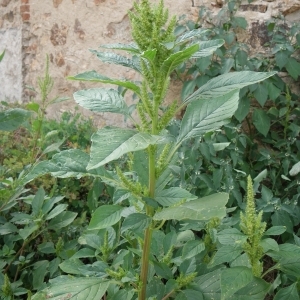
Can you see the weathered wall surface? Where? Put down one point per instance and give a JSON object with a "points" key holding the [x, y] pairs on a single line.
{"points": [[66, 29]]}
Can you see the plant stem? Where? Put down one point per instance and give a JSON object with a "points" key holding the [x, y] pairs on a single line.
{"points": [[168, 295]]}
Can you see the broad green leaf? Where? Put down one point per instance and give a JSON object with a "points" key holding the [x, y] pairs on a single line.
{"points": [[225, 254], [116, 59], [8, 228], [27, 231], [288, 293], [275, 230], [261, 94], [210, 285], [62, 220], [295, 169], [141, 166], [175, 59], [255, 290], [243, 109], [226, 83], [192, 248], [11, 119], [93, 76], [132, 47], [269, 244], [83, 253], [111, 143], [173, 195], [105, 216], [189, 295], [162, 270], [231, 236], [293, 67], [283, 218], [281, 58], [220, 146], [56, 211], [200, 209], [233, 279], [227, 64], [136, 222], [39, 273], [261, 121], [290, 264], [207, 48], [71, 266], [74, 288], [207, 115], [101, 100]]}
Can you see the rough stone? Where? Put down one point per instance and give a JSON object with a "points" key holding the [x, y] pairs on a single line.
{"points": [[59, 35], [4, 3], [258, 34], [262, 8], [56, 3], [78, 29]]}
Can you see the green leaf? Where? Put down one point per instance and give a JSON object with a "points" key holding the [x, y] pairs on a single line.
{"points": [[74, 288], [105, 215], [200, 209], [102, 100], [231, 236], [290, 264], [111, 143], [227, 64], [206, 115], [269, 244], [190, 35], [295, 169], [162, 270], [225, 254], [39, 273], [234, 279], [27, 231], [288, 293], [189, 295], [220, 146], [56, 211], [136, 222], [226, 83], [175, 59], [132, 47], [207, 48], [11, 119], [209, 285], [192, 248], [93, 76], [261, 94], [116, 59], [281, 58], [240, 22], [255, 290], [2, 55], [261, 121], [173, 195], [38, 201], [83, 253], [243, 109], [275, 230], [8, 228], [71, 266], [62, 220], [293, 67]]}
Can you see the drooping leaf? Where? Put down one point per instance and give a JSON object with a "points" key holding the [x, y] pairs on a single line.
{"points": [[195, 33], [207, 48], [261, 121], [223, 84], [200, 209], [132, 47], [93, 76], [173, 195], [11, 119], [207, 115], [101, 100], [111, 143], [74, 288], [177, 58], [105, 216], [116, 59], [233, 279]]}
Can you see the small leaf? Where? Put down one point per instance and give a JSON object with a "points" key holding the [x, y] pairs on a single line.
{"points": [[225, 254], [288, 293], [243, 109], [11, 119], [38, 201], [2, 55], [136, 222], [261, 94], [269, 244], [207, 48], [173, 195], [234, 279], [293, 67], [261, 121], [56, 211], [281, 58], [200, 209], [132, 47], [192, 248], [62, 220], [231, 236], [295, 169], [104, 216]]}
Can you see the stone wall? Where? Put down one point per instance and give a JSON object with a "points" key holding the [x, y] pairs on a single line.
{"points": [[66, 29]]}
